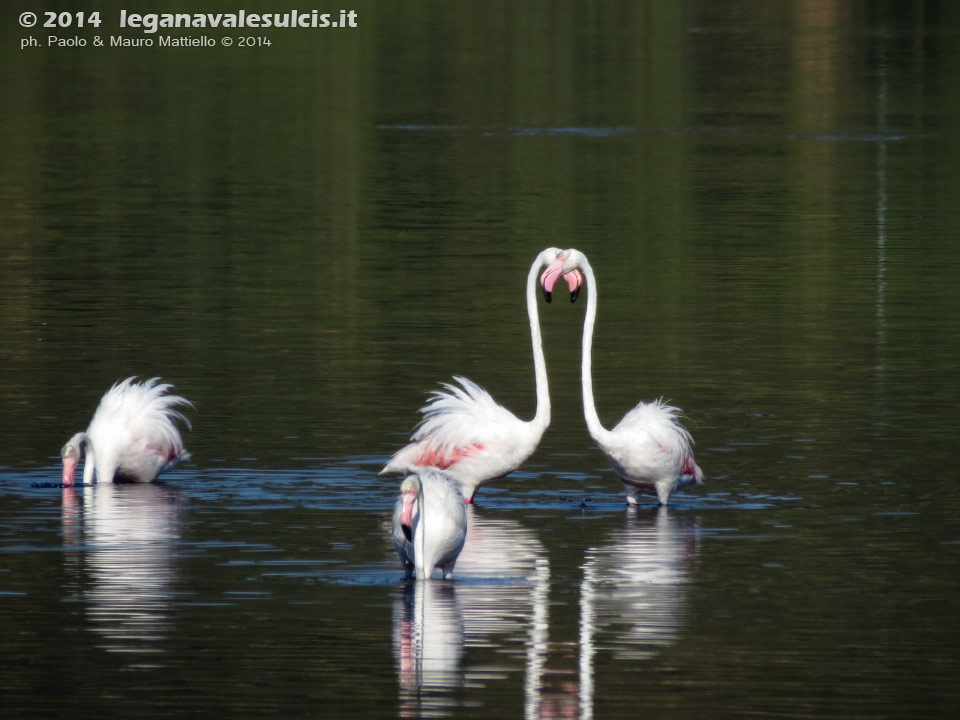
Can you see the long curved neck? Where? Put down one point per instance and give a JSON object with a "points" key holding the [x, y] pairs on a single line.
{"points": [[419, 538], [597, 431], [542, 417], [89, 461]]}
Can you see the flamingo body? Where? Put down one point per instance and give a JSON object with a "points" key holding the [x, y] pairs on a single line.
{"points": [[469, 436], [650, 451], [429, 524], [466, 433], [133, 435], [649, 448]]}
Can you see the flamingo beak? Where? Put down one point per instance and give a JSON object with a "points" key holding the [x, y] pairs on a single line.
{"points": [[407, 501], [69, 468], [549, 278], [558, 268], [575, 282]]}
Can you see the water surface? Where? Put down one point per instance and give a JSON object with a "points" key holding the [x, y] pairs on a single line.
{"points": [[305, 241]]}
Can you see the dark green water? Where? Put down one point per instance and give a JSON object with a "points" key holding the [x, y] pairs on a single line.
{"points": [[306, 238]]}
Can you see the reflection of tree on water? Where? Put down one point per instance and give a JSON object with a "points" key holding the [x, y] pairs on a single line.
{"points": [[123, 537], [633, 589], [501, 588]]}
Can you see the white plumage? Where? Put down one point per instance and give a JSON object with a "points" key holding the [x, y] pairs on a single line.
{"points": [[466, 433], [649, 448], [429, 524], [133, 435]]}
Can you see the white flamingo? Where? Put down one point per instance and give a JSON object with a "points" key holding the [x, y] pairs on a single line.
{"points": [[429, 524], [649, 449], [465, 433], [132, 435]]}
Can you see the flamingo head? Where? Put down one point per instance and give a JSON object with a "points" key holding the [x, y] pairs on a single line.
{"points": [[70, 454], [409, 492], [564, 264]]}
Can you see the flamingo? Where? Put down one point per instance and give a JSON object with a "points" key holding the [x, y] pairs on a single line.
{"points": [[649, 448], [467, 434], [429, 524], [132, 435]]}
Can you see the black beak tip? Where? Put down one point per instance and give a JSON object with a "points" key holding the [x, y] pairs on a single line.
{"points": [[547, 295], [407, 533], [574, 295]]}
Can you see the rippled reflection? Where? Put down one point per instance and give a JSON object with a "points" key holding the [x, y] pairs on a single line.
{"points": [[517, 603], [501, 589], [428, 646], [120, 542], [633, 592]]}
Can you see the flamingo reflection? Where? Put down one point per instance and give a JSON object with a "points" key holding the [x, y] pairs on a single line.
{"points": [[428, 646], [121, 539], [633, 591], [501, 590]]}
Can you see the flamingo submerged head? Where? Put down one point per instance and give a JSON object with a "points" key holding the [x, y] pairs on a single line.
{"points": [[410, 490], [70, 455], [429, 524], [133, 435]]}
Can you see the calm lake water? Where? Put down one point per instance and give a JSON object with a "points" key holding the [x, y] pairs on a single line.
{"points": [[306, 238]]}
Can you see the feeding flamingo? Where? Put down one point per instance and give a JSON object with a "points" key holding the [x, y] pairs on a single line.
{"points": [[132, 435], [649, 449], [465, 433], [429, 524]]}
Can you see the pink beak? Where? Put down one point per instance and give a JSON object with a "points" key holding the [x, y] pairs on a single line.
{"points": [[407, 500], [549, 278], [69, 468]]}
